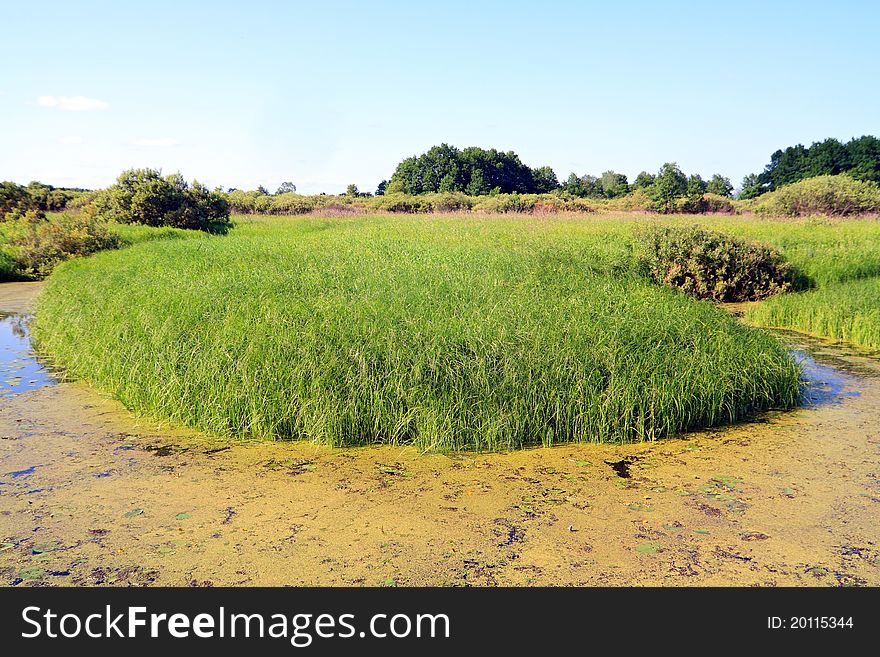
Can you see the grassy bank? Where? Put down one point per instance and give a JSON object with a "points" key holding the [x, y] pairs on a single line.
{"points": [[445, 332], [847, 311]]}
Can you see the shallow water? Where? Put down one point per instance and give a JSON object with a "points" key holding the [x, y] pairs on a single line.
{"points": [[20, 370]]}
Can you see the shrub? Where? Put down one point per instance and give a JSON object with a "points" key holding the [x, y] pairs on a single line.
{"points": [[830, 195], [712, 265], [8, 266], [403, 203], [42, 243], [704, 204], [143, 196], [504, 203], [451, 202], [638, 200], [13, 197]]}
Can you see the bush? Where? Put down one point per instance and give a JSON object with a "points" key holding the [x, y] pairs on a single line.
{"points": [[638, 200], [8, 266], [705, 204], [13, 197], [143, 196], [830, 195], [712, 265], [42, 243]]}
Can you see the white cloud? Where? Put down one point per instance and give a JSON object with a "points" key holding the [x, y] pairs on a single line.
{"points": [[71, 140], [71, 103], [163, 141]]}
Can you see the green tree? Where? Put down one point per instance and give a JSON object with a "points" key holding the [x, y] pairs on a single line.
{"points": [[352, 190], [696, 186], [380, 189], [613, 184], [752, 187], [143, 196], [669, 185], [719, 185], [643, 180], [285, 188], [544, 180]]}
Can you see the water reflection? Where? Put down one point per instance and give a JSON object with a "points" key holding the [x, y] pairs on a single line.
{"points": [[823, 384], [20, 371]]}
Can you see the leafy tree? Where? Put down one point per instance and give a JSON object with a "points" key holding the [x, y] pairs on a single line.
{"points": [[584, 186], [352, 190], [719, 185], [544, 180], [473, 170], [860, 158], [263, 191], [643, 180], [613, 184], [752, 187], [285, 188], [477, 185], [144, 196], [380, 190], [669, 185], [696, 186]]}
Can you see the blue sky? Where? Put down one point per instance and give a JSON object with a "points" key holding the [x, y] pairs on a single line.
{"points": [[329, 93]]}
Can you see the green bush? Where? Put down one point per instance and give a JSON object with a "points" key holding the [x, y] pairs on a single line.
{"points": [[40, 243], [143, 196], [8, 266], [712, 265], [705, 204], [829, 195]]}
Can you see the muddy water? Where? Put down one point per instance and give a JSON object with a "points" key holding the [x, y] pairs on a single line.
{"points": [[90, 495]]}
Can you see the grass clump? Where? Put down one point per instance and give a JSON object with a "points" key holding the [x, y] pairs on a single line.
{"points": [[445, 333], [711, 265]]}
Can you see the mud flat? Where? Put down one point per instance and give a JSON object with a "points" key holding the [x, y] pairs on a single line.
{"points": [[90, 495]]}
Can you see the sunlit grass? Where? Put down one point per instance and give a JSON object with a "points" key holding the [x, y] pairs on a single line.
{"points": [[444, 332]]}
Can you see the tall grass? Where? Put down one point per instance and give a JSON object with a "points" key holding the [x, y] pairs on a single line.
{"points": [[846, 311], [443, 332]]}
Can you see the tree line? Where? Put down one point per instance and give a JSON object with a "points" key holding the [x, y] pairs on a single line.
{"points": [[858, 158], [476, 171]]}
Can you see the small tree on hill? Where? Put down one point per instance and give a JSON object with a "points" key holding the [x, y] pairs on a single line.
{"points": [[669, 185]]}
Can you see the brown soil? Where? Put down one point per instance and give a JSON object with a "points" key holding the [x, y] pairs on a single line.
{"points": [[90, 495]]}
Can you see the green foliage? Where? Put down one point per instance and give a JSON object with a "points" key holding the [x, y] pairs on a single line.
{"points": [[36, 196], [12, 197], [456, 333], [669, 185], [544, 180], [613, 184], [583, 186], [719, 186], [712, 265], [643, 180], [826, 195], [144, 196], [39, 243], [473, 170], [860, 158], [285, 188]]}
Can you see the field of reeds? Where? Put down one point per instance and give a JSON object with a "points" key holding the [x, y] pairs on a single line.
{"points": [[445, 332]]}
